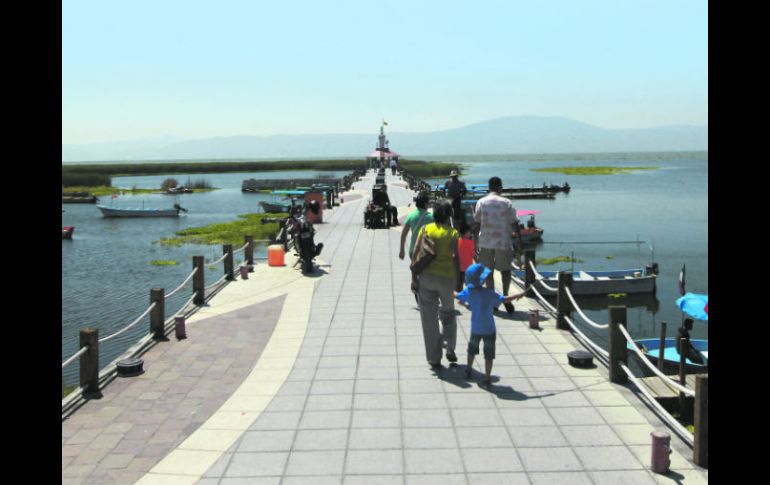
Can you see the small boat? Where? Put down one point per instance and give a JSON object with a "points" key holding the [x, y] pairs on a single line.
{"points": [[179, 190], [599, 282], [136, 212], [78, 198], [529, 234], [651, 348], [275, 207], [66, 232]]}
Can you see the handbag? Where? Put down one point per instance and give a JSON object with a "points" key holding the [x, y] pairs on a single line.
{"points": [[424, 253]]}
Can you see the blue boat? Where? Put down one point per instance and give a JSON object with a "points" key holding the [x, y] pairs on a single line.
{"points": [[651, 348]]}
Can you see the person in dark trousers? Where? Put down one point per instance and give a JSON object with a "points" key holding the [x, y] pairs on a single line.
{"points": [[690, 351], [455, 191], [381, 199]]}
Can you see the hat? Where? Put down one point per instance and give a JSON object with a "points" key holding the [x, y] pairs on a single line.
{"points": [[453, 173], [476, 274]]}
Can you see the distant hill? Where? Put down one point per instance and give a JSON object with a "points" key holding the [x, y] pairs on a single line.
{"points": [[508, 135]]}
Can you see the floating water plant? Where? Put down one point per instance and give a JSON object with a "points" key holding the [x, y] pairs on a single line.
{"points": [[558, 259], [617, 295], [592, 170], [226, 232], [163, 262]]}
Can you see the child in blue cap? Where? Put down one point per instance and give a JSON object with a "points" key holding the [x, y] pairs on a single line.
{"points": [[482, 302]]}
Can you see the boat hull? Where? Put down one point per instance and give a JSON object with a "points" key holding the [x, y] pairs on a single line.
{"points": [[114, 212], [274, 207], [671, 357], [66, 232], [598, 283]]}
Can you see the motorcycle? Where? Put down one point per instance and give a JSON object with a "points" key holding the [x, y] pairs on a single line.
{"points": [[297, 232]]}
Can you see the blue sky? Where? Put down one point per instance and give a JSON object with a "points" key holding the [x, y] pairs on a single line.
{"points": [[195, 69]]}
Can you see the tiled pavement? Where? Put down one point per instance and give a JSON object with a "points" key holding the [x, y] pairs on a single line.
{"points": [[359, 403]]}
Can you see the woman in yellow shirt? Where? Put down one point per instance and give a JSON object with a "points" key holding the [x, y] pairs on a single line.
{"points": [[436, 285]]}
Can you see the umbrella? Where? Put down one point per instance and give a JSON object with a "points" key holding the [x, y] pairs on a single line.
{"points": [[522, 213], [695, 305]]}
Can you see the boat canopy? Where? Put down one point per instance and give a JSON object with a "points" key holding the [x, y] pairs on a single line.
{"points": [[288, 192]]}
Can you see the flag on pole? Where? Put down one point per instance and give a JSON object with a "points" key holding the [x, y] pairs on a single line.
{"points": [[384, 122], [681, 281]]}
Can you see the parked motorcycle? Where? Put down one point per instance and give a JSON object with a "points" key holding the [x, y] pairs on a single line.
{"points": [[297, 232]]}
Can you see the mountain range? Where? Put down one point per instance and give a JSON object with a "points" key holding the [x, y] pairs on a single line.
{"points": [[507, 135]]}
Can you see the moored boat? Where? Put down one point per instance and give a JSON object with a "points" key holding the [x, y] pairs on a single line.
{"points": [[650, 347], [66, 232], [598, 282], [137, 212], [275, 207]]}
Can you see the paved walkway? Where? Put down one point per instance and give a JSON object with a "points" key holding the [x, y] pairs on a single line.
{"points": [[341, 392]]}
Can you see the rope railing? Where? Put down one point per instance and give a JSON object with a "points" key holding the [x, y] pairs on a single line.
{"points": [[541, 278], [242, 248], [124, 329], [665, 415], [187, 280], [568, 292], [216, 283], [75, 356], [671, 383], [219, 260]]}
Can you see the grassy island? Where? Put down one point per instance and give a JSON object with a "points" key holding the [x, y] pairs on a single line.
{"points": [[592, 170], [226, 232]]}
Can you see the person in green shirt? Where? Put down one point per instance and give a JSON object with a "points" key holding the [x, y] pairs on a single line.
{"points": [[436, 284], [414, 222]]}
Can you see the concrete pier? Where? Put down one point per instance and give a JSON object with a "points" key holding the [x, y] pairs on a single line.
{"points": [[287, 379]]}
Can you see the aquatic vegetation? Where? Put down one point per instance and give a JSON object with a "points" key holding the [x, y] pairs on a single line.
{"points": [[592, 170], [163, 262], [226, 232], [609, 257], [558, 259], [617, 295]]}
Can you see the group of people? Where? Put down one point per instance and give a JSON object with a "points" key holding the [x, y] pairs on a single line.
{"points": [[456, 273]]}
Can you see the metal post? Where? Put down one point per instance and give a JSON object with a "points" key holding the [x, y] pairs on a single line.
{"points": [[157, 314], [89, 361], [228, 250], [199, 289], [683, 376], [700, 451], [249, 251], [563, 305], [662, 347], [617, 344], [529, 275]]}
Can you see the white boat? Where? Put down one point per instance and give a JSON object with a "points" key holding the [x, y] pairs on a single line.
{"points": [[137, 212], [598, 282]]}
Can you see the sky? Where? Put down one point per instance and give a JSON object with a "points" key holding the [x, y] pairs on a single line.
{"points": [[198, 69]]}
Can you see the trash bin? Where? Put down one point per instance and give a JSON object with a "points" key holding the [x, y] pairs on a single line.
{"points": [[318, 196], [275, 255]]}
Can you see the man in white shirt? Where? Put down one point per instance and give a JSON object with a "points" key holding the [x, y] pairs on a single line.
{"points": [[497, 219], [393, 166]]}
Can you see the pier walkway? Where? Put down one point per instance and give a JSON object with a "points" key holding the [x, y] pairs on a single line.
{"points": [[286, 379]]}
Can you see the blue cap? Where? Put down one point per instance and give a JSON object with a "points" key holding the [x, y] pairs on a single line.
{"points": [[476, 274]]}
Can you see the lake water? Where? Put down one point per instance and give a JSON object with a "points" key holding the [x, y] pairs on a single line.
{"points": [[107, 275]]}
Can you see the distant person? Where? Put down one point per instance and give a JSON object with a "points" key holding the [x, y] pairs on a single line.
{"points": [[482, 302], [436, 286], [455, 190], [466, 251], [381, 199], [689, 351], [393, 166], [497, 220], [414, 222]]}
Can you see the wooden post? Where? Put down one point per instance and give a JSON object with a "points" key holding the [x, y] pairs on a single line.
{"points": [[198, 281], [563, 305], [700, 451], [249, 250], [228, 250], [662, 347], [617, 344], [529, 275], [157, 314], [89, 361], [683, 376]]}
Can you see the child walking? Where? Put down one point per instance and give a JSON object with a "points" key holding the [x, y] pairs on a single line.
{"points": [[482, 301], [466, 251]]}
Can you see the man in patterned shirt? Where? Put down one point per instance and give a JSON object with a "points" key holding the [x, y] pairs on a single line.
{"points": [[497, 219]]}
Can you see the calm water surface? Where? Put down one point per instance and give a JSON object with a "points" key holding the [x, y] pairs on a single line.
{"points": [[107, 275]]}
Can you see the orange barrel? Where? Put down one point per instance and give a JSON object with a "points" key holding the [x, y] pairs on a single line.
{"points": [[319, 197], [275, 255]]}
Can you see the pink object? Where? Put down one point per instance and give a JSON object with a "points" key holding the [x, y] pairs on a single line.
{"points": [[534, 318], [179, 328], [521, 213], [661, 449], [379, 154]]}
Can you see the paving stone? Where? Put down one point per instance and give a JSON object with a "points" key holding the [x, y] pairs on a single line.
{"points": [[374, 462], [321, 439], [433, 461], [315, 463], [607, 458], [257, 464]]}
